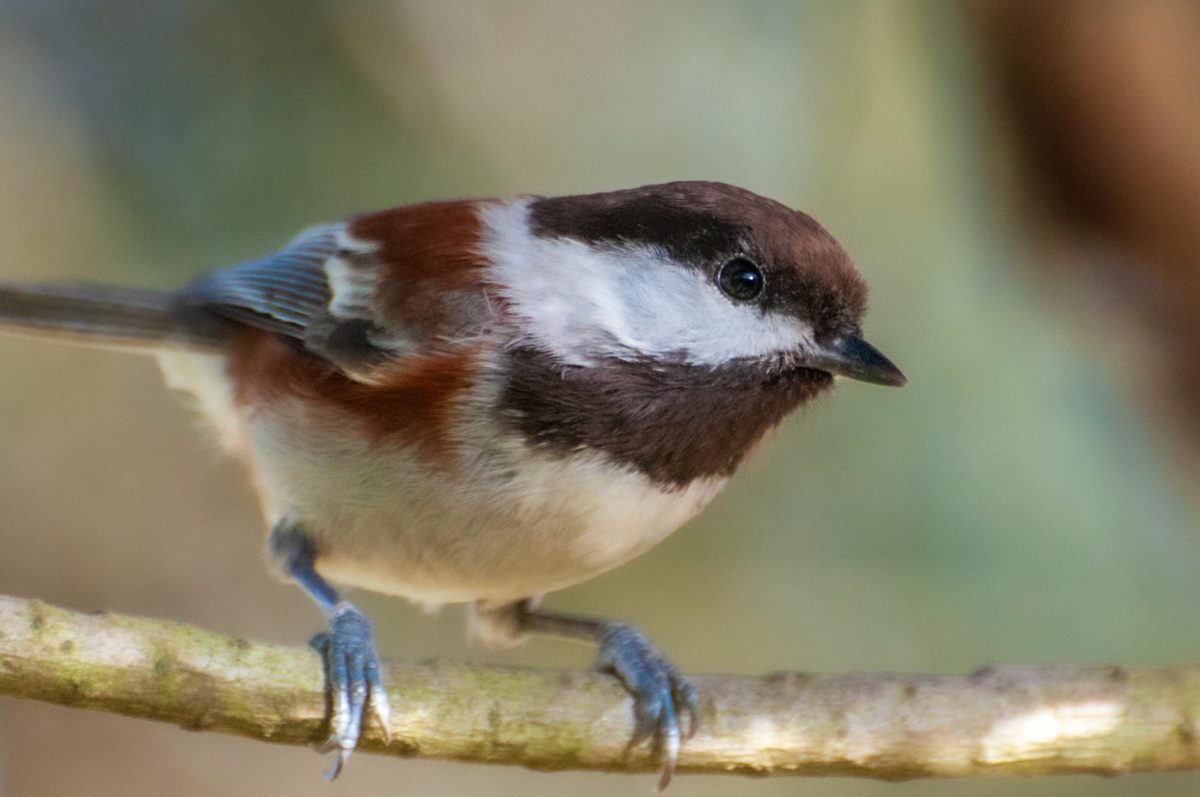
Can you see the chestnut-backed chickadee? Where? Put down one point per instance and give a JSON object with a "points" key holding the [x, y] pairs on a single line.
{"points": [[483, 401]]}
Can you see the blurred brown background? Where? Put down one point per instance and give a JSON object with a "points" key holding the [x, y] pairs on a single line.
{"points": [[1019, 183]]}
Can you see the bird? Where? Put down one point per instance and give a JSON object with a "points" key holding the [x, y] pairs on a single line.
{"points": [[483, 401]]}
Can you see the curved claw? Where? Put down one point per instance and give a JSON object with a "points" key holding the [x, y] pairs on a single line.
{"points": [[661, 694], [354, 678]]}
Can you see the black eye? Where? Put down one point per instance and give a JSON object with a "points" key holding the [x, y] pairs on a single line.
{"points": [[740, 279]]}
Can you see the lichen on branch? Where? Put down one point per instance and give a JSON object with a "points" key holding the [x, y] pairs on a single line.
{"points": [[997, 721]]}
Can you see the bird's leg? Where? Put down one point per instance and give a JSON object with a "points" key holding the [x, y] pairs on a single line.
{"points": [[352, 670], [665, 704]]}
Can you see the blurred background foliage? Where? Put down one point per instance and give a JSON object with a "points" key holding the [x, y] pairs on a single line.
{"points": [[1023, 500]]}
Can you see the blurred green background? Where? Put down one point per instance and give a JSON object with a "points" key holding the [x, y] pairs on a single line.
{"points": [[1010, 505]]}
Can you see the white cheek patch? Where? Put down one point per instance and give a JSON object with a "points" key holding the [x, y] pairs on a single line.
{"points": [[585, 302]]}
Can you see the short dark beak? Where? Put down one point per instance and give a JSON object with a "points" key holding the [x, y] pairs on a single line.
{"points": [[853, 357]]}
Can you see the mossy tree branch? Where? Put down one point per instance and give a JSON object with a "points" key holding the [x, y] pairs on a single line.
{"points": [[998, 721]]}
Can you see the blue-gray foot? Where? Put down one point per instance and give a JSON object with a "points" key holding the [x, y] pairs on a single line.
{"points": [[354, 679], [665, 704]]}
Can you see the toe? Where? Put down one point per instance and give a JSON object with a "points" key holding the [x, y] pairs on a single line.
{"points": [[377, 699], [687, 703], [649, 708], [669, 738], [356, 690], [343, 731], [335, 768]]}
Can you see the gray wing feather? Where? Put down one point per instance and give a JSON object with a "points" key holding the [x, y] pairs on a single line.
{"points": [[288, 293], [283, 292]]}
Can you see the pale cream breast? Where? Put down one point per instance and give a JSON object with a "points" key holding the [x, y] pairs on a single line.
{"points": [[508, 522]]}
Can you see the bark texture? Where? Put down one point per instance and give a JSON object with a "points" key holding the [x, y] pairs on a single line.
{"points": [[997, 721]]}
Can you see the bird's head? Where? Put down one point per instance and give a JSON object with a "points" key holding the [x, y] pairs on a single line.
{"points": [[687, 273]]}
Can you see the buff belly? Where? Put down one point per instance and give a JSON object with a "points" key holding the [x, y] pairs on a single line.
{"points": [[506, 523]]}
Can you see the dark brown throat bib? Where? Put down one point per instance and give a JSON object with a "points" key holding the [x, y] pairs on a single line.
{"points": [[674, 423]]}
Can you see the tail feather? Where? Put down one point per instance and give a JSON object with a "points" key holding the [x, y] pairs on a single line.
{"points": [[103, 315]]}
